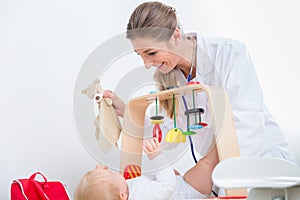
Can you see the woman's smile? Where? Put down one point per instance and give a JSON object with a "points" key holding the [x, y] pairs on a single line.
{"points": [[160, 65]]}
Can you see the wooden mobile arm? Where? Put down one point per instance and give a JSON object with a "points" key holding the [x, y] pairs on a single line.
{"points": [[222, 124]]}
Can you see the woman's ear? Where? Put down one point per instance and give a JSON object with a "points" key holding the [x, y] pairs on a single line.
{"points": [[176, 35]]}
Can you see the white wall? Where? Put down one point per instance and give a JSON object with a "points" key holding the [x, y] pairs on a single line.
{"points": [[44, 43]]}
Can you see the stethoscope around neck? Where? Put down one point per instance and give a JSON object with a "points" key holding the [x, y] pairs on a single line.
{"points": [[189, 77]]}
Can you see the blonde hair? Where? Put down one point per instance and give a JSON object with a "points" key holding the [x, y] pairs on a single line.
{"points": [[164, 82], [157, 21], [152, 19], [93, 186]]}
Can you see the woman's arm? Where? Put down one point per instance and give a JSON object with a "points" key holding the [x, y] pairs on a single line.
{"points": [[199, 176], [118, 104]]}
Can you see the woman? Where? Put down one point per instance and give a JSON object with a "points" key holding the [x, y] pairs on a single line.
{"points": [[157, 37]]}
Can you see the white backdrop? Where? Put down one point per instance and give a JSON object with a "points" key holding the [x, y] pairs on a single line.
{"points": [[44, 43]]}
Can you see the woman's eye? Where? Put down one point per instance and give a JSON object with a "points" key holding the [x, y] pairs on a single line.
{"points": [[151, 53]]}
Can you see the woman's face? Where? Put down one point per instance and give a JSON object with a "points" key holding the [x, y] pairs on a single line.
{"points": [[161, 55]]}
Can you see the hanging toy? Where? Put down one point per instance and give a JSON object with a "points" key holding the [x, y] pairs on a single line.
{"points": [[156, 120], [197, 117], [175, 135], [197, 124]]}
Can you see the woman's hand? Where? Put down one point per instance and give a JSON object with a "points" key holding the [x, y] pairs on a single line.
{"points": [[117, 103], [152, 148]]}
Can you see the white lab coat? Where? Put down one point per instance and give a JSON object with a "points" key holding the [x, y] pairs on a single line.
{"points": [[225, 63]]}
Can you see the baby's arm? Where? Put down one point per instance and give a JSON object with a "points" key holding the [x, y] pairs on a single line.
{"points": [[165, 176], [164, 184]]}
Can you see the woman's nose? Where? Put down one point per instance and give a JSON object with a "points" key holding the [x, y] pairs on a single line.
{"points": [[147, 62], [148, 65]]}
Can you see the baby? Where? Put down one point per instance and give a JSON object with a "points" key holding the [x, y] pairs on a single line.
{"points": [[102, 183]]}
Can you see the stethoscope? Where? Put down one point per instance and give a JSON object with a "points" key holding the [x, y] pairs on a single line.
{"points": [[192, 61], [189, 77]]}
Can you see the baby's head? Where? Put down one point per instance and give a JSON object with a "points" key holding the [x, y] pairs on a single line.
{"points": [[101, 183]]}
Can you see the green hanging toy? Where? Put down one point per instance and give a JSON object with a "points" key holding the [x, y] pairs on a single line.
{"points": [[175, 135]]}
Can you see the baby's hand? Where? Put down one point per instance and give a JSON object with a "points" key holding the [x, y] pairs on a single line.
{"points": [[152, 148]]}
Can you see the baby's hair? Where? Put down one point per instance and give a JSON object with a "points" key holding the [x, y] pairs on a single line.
{"points": [[164, 81], [93, 186]]}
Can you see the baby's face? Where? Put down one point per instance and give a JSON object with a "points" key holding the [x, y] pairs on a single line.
{"points": [[114, 178]]}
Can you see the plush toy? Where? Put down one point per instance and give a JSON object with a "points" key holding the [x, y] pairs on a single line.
{"points": [[108, 127]]}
